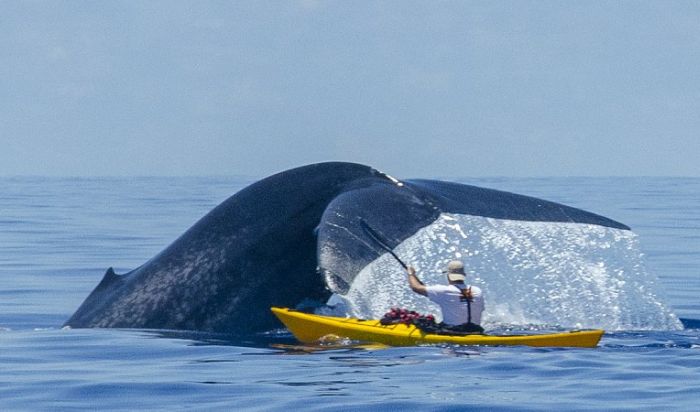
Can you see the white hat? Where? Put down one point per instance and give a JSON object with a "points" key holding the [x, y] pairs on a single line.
{"points": [[455, 271]]}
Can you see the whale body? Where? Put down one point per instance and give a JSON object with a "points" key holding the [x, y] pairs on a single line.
{"points": [[288, 238]]}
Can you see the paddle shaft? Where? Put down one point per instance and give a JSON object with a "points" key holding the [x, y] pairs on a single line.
{"points": [[375, 236]]}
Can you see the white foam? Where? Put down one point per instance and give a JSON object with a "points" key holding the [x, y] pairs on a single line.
{"points": [[564, 274]]}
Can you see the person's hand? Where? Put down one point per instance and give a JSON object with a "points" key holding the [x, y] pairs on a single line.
{"points": [[411, 271]]}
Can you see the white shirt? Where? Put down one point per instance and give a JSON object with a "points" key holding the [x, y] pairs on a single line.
{"points": [[453, 305]]}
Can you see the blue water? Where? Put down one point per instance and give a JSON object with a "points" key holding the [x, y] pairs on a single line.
{"points": [[58, 235]]}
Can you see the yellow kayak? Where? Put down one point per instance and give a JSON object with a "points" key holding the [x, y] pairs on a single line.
{"points": [[312, 328]]}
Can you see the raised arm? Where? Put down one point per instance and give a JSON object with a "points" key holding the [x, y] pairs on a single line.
{"points": [[415, 284]]}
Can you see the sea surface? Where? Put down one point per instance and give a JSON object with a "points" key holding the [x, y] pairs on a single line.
{"points": [[58, 236]]}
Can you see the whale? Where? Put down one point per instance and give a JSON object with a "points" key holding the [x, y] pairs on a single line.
{"points": [[290, 238]]}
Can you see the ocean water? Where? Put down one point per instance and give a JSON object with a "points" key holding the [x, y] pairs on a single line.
{"points": [[58, 235]]}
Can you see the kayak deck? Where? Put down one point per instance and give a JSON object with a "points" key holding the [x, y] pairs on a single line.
{"points": [[309, 328]]}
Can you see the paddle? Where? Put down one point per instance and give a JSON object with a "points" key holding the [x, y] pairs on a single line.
{"points": [[375, 236]]}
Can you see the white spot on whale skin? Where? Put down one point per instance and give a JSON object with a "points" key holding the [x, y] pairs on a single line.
{"points": [[396, 181]]}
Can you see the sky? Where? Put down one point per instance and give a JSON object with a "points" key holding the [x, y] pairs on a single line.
{"points": [[415, 89]]}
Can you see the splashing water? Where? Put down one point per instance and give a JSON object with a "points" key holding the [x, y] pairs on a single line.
{"points": [[532, 273]]}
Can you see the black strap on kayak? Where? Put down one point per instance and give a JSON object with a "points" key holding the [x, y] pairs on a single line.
{"points": [[467, 296], [469, 311]]}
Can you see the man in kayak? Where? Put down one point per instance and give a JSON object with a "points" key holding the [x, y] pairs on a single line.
{"points": [[461, 304]]}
